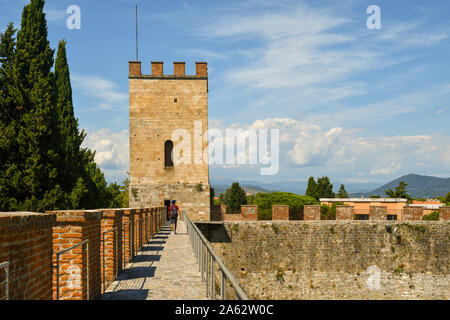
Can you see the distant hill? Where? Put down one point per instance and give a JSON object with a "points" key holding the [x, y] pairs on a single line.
{"points": [[418, 186], [218, 189]]}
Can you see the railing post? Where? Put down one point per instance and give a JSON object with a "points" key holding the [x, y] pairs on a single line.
{"points": [[212, 278], [201, 259], [206, 277], [222, 285]]}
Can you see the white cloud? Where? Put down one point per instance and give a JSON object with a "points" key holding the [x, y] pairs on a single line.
{"points": [[112, 151], [107, 93], [393, 167], [308, 149], [52, 14]]}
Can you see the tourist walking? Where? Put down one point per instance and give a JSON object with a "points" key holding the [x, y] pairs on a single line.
{"points": [[173, 214]]}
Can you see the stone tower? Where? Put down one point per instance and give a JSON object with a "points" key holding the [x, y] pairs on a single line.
{"points": [[159, 105]]}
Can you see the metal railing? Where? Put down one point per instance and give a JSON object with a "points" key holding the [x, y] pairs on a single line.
{"points": [[58, 254], [116, 240], [5, 283], [207, 258]]}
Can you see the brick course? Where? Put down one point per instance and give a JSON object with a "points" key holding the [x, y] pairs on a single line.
{"points": [[377, 213], [444, 214], [26, 243], [280, 212], [249, 212], [71, 228], [112, 220], [344, 213], [412, 214], [311, 212]]}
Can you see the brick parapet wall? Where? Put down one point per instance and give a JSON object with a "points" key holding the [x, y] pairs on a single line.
{"points": [[378, 213], [216, 213], [249, 212], [128, 234], [138, 222], [412, 214], [345, 213], [111, 245], [444, 213], [26, 243], [71, 228], [280, 212], [311, 212]]}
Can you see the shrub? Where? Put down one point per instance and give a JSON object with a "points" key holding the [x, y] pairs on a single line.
{"points": [[265, 201], [434, 216]]}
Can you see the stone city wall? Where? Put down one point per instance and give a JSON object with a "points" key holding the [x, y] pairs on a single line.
{"points": [[336, 259]]}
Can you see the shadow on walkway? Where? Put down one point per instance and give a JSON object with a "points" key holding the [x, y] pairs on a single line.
{"points": [[147, 258], [137, 273], [132, 294]]}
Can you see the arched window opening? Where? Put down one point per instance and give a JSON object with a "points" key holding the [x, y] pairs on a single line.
{"points": [[168, 150]]}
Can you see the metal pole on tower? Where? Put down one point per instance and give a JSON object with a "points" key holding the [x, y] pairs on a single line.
{"points": [[137, 39]]}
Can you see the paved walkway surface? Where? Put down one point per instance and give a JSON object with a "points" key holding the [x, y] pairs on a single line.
{"points": [[165, 268]]}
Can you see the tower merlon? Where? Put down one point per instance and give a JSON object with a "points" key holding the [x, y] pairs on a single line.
{"points": [[202, 69], [179, 70], [157, 68], [134, 68]]}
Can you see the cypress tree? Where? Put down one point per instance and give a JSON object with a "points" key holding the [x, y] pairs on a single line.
{"points": [[43, 166], [10, 175], [81, 178], [342, 192], [37, 157], [311, 189], [235, 197], [324, 188], [70, 138]]}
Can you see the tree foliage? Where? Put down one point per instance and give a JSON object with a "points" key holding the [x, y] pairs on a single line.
{"points": [[342, 193], [447, 199], [324, 188], [265, 201], [235, 197], [434, 216], [43, 166], [311, 189], [399, 192]]}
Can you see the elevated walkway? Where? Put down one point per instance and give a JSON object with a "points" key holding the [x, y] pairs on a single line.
{"points": [[165, 268]]}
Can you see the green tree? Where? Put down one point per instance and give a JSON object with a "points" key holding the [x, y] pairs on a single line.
{"points": [[447, 199], [311, 189], [399, 192], [265, 201], [235, 197], [221, 200], [433, 216], [10, 174], [70, 139], [43, 166], [342, 192], [211, 196], [324, 188], [119, 194], [35, 159]]}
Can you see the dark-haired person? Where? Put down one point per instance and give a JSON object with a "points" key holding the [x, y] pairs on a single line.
{"points": [[174, 210]]}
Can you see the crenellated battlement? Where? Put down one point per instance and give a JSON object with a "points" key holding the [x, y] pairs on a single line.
{"points": [[157, 70]]}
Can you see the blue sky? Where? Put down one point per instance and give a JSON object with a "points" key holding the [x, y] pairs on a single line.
{"points": [[355, 104]]}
